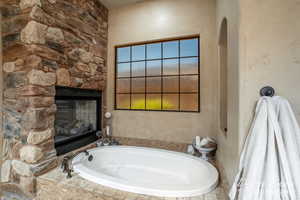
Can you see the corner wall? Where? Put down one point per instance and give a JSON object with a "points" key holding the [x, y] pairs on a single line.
{"points": [[269, 54], [264, 49], [160, 19]]}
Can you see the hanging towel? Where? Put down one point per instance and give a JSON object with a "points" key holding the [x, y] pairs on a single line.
{"points": [[269, 166]]}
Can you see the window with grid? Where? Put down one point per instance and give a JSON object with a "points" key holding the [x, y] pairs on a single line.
{"points": [[158, 76]]}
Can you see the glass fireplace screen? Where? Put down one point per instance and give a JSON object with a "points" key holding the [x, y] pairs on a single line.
{"points": [[75, 118]]}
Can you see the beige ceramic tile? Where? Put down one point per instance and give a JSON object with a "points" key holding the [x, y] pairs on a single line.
{"points": [[57, 181]]}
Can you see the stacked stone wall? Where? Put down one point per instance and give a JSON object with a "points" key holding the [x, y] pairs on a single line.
{"points": [[45, 43]]}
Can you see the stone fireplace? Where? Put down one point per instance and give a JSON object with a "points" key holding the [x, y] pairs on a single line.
{"points": [[49, 45], [78, 118]]}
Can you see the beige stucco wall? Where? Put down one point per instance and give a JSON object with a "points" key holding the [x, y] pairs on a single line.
{"points": [[269, 53], [159, 19], [228, 146], [264, 49]]}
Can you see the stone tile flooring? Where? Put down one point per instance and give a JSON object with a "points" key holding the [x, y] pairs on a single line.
{"points": [[55, 186]]}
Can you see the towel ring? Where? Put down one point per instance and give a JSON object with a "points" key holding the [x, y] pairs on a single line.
{"points": [[267, 91]]}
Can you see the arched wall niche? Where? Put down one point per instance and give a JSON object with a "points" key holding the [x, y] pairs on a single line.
{"points": [[223, 64]]}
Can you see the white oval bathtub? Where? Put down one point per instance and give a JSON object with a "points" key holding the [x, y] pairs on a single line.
{"points": [[147, 171]]}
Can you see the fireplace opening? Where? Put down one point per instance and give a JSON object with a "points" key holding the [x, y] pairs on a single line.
{"points": [[78, 118]]}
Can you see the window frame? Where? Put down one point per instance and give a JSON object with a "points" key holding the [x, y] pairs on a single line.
{"points": [[162, 59]]}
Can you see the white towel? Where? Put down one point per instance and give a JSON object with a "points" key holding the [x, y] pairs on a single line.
{"points": [[270, 161]]}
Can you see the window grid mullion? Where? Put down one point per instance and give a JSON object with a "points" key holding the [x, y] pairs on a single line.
{"points": [[161, 77], [199, 65], [179, 71], [130, 78], [157, 59], [145, 76], [162, 92], [158, 93], [157, 76]]}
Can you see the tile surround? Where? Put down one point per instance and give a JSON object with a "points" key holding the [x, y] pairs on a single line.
{"points": [[172, 146], [55, 182], [55, 186]]}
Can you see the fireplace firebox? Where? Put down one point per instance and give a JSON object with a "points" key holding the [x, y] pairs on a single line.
{"points": [[78, 118]]}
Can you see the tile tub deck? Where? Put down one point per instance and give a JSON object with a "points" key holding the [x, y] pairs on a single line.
{"points": [[55, 186]]}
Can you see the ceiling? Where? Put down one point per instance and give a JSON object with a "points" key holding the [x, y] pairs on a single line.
{"points": [[117, 3]]}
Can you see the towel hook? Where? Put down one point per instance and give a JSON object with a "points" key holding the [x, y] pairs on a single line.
{"points": [[267, 91]]}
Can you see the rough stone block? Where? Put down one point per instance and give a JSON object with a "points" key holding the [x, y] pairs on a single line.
{"points": [[22, 168], [29, 3], [34, 33], [93, 68], [76, 82], [48, 145], [40, 102], [86, 57], [96, 85], [19, 62], [38, 77], [10, 40], [83, 67], [14, 52], [9, 67], [50, 64], [55, 46], [17, 105], [31, 154], [39, 15], [33, 90], [11, 127], [10, 93], [8, 11], [37, 137], [73, 40], [15, 80], [75, 53], [46, 52], [98, 60], [55, 35], [16, 149], [63, 77], [38, 118], [28, 184], [81, 54], [6, 149], [5, 171], [14, 24], [33, 62]]}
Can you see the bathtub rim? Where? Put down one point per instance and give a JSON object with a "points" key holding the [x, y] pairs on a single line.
{"points": [[119, 184]]}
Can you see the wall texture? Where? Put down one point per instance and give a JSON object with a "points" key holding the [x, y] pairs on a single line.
{"points": [[152, 20], [45, 43], [264, 49], [228, 145], [269, 54]]}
